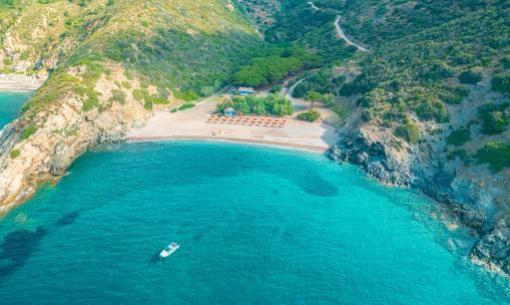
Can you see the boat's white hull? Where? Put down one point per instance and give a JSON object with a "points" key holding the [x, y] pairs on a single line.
{"points": [[168, 252]]}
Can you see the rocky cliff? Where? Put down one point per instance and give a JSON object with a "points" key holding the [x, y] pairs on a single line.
{"points": [[42, 147], [481, 207], [108, 64]]}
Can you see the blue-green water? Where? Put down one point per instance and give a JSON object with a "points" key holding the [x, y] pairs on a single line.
{"points": [[256, 226], [10, 104]]}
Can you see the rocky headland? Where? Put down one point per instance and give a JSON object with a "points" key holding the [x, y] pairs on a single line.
{"points": [[39, 148], [481, 207]]}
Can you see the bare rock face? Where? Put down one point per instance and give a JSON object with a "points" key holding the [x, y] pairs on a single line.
{"points": [[60, 160], [493, 250], [372, 156]]}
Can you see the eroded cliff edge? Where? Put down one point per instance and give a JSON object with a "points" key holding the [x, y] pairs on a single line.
{"points": [[39, 146]]}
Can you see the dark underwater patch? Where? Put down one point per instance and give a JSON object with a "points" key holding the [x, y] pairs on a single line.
{"points": [[68, 218], [317, 186], [16, 248]]}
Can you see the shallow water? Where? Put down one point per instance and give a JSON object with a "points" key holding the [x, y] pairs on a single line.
{"points": [[256, 226], [10, 104]]}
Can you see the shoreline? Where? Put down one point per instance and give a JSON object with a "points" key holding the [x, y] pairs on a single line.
{"points": [[264, 143], [193, 124], [19, 83]]}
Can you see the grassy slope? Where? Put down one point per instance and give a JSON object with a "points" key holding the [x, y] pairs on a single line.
{"points": [[185, 48]]}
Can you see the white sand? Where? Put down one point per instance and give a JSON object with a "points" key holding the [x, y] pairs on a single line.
{"points": [[17, 82], [191, 124]]}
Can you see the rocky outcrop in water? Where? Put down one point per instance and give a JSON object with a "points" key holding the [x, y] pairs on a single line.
{"points": [[372, 157]]}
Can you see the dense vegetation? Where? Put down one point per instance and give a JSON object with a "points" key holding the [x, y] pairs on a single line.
{"points": [[323, 82], [274, 66], [496, 154], [494, 118], [273, 104], [459, 137], [311, 115], [425, 58]]}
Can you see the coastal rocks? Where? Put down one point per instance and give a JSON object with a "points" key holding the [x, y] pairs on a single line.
{"points": [[373, 158], [465, 200], [60, 159], [493, 250], [8, 137], [62, 133], [458, 195]]}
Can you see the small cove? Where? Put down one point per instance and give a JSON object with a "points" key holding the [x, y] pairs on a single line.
{"points": [[256, 225]]}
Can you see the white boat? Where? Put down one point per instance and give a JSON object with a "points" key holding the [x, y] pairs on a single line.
{"points": [[169, 250]]}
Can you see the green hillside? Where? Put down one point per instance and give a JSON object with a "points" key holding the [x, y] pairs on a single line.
{"points": [[426, 60], [183, 48]]}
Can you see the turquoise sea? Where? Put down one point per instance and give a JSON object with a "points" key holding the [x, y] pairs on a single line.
{"points": [[10, 104], [256, 226]]}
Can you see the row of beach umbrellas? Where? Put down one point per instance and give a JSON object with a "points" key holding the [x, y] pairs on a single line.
{"points": [[248, 120]]}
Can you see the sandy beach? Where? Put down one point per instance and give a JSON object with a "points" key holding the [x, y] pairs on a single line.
{"points": [[192, 124], [17, 82]]}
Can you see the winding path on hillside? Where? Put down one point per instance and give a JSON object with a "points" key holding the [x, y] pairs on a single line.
{"points": [[341, 35], [299, 104], [339, 31]]}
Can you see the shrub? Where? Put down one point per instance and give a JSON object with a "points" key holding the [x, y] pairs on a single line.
{"points": [[454, 95], [436, 71], [118, 96], [432, 110], [126, 84], [505, 61], [185, 106], [138, 94], [471, 77], [501, 82], [367, 115], [28, 131], [408, 131], [311, 115], [187, 96], [15, 153], [496, 154], [276, 89], [148, 105], [459, 153], [459, 137], [494, 118], [272, 104]]}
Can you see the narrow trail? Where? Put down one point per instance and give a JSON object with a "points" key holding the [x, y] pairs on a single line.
{"points": [[339, 31], [341, 35]]}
